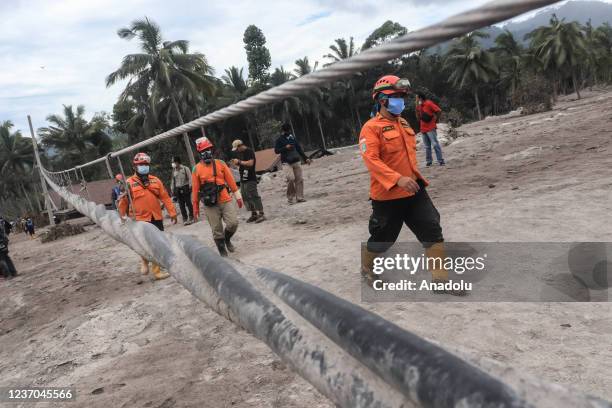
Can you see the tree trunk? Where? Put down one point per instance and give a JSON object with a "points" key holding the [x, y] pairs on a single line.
{"points": [[477, 103], [321, 130], [27, 197], [201, 127], [575, 81], [185, 135]]}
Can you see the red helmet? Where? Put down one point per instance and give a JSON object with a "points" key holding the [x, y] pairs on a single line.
{"points": [[203, 143], [390, 84], [119, 177], [142, 158]]}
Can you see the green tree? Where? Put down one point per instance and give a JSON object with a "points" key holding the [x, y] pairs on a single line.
{"points": [[315, 99], [560, 49], [341, 50], [386, 32], [16, 161], [74, 139], [234, 78], [161, 70], [470, 65], [511, 53], [258, 55]]}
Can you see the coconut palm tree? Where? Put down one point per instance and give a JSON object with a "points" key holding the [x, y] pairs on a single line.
{"points": [[16, 160], [511, 53], [234, 79], [470, 65], [315, 99], [341, 50], [560, 48], [162, 67], [74, 138]]}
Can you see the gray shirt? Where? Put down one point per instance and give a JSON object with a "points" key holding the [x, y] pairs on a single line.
{"points": [[181, 176]]}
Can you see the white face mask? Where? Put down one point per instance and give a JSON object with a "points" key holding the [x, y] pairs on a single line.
{"points": [[174, 165]]}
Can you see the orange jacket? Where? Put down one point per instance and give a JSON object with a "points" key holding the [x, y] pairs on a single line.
{"points": [[203, 173], [146, 199], [388, 148]]}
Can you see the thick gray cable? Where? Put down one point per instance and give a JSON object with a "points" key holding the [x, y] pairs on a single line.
{"points": [[354, 357], [490, 13]]}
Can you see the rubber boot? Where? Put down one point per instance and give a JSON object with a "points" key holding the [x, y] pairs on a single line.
{"points": [[228, 243], [157, 272], [367, 265], [440, 275], [144, 266], [221, 246]]}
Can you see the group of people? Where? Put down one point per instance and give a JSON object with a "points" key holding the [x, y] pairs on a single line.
{"points": [[388, 147], [210, 185]]}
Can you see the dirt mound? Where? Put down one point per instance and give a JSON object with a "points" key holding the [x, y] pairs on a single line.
{"points": [[61, 230]]}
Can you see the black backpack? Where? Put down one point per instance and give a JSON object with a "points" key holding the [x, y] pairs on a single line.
{"points": [[209, 191]]}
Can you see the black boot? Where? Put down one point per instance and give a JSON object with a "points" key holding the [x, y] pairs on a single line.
{"points": [[228, 243], [221, 246]]}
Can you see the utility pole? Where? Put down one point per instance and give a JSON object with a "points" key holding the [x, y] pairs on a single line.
{"points": [[42, 178]]}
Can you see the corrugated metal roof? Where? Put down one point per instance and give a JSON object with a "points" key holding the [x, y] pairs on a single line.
{"points": [[99, 192], [266, 160]]}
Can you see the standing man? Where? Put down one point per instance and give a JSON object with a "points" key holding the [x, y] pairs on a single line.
{"points": [[212, 180], [246, 161], [291, 156], [6, 263], [146, 192], [118, 190], [397, 188], [181, 189], [428, 114], [30, 228]]}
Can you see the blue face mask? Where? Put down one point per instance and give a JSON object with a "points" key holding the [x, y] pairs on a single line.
{"points": [[396, 105], [142, 169]]}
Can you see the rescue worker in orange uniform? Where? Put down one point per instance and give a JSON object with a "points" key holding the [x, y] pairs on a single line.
{"points": [[211, 181], [146, 192], [397, 189]]}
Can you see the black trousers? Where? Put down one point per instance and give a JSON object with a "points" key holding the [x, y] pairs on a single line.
{"points": [[183, 196], [158, 223], [417, 212], [8, 268]]}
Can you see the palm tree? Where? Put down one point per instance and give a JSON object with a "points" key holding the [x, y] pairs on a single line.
{"points": [[234, 79], [560, 48], [602, 44], [74, 138], [162, 67], [470, 65], [341, 50], [16, 159], [315, 98], [511, 52]]}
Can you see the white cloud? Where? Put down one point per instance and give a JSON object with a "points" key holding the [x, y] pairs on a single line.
{"points": [[59, 52]]}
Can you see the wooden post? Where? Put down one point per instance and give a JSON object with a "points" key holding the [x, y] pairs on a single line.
{"points": [[42, 178]]}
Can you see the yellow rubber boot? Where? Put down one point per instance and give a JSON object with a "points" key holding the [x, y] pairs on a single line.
{"points": [[157, 272], [439, 274], [436, 252], [144, 266], [367, 265]]}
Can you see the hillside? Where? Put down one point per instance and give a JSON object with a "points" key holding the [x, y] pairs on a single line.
{"points": [[581, 11]]}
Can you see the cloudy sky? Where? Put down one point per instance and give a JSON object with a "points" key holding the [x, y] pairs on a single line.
{"points": [[56, 52]]}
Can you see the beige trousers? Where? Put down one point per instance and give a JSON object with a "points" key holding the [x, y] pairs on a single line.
{"points": [[219, 214], [295, 181]]}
